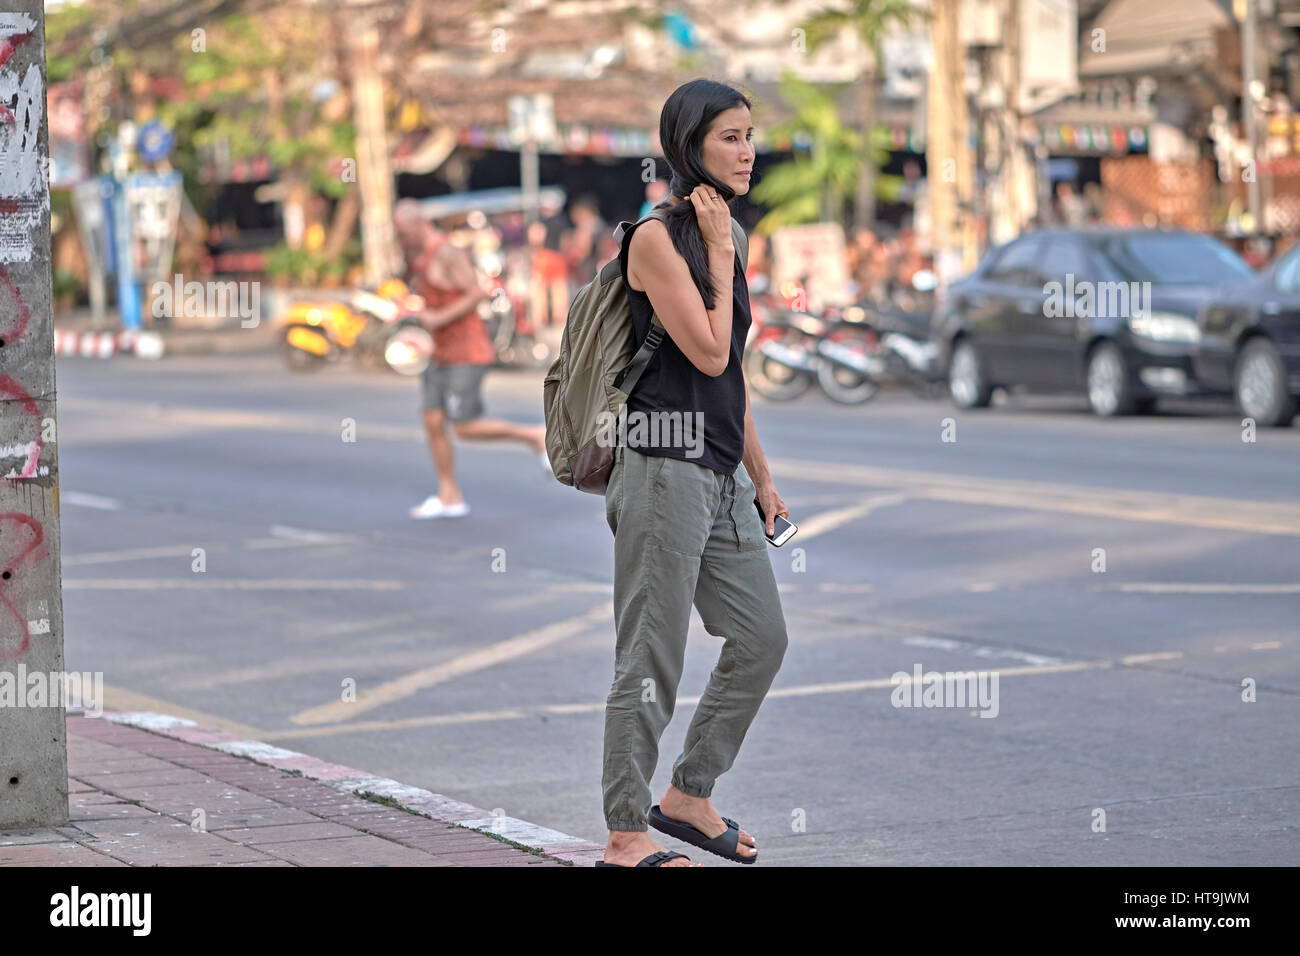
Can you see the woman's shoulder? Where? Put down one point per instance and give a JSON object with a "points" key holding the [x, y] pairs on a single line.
{"points": [[650, 242]]}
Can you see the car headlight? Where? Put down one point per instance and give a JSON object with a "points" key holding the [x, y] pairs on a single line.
{"points": [[1165, 327]]}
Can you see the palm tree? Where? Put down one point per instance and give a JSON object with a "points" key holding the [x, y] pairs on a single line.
{"points": [[871, 20], [810, 187]]}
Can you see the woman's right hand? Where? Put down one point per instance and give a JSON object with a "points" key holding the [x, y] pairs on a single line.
{"points": [[713, 215]]}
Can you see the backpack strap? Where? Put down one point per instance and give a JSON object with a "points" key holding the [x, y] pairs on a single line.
{"points": [[628, 378]]}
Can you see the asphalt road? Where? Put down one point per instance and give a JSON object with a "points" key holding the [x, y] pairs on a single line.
{"points": [[481, 648]]}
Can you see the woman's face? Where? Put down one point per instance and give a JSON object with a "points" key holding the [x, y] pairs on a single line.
{"points": [[728, 149]]}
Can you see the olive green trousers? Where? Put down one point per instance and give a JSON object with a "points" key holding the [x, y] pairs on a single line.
{"points": [[683, 534]]}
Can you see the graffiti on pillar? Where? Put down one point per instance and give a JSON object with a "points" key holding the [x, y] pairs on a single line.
{"points": [[22, 541], [28, 422], [24, 198]]}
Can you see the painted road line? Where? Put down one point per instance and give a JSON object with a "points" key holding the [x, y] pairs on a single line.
{"points": [[404, 687], [1233, 514], [1174, 587], [1148, 658], [532, 712], [136, 554], [830, 520], [879, 683], [1230, 514], [80, 499], [119, 698], [227, 584], [961, 647]]}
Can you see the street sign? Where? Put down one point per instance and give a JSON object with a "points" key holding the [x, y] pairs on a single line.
{"points": [[155, 142]]}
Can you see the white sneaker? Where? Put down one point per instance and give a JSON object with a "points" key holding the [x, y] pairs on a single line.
{"points": [[432, 507]]}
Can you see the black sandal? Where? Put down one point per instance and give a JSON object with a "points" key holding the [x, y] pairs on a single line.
{"points": [[660, 857], [723, 845]]}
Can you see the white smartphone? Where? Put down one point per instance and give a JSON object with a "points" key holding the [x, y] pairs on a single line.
{"points": [[782, 530]]}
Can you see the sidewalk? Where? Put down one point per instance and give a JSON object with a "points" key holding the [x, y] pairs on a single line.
{"points": [[154, 790]]}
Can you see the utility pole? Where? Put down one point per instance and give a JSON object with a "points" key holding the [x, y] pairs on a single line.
{"points": [[1249, 115], [374, 174], [33, 731], [947, 151]]}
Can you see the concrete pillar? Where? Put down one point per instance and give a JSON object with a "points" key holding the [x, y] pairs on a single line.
{"points": [[33, 741]]}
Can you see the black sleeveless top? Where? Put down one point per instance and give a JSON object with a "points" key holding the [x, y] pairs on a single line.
{"points": [[710, 429]]}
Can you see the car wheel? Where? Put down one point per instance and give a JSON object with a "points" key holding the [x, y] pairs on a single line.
{"points": [[1110, 392], [1261, 384], [966, 382]]}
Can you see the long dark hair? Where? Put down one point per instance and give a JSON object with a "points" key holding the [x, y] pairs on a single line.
{"points": [[683, 123]]}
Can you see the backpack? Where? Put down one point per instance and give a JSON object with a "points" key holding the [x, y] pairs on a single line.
{"points": [[599, 365]]}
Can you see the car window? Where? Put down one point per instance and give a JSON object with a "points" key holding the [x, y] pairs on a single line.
{"points": [[1018, 264], [1060, 259], [1174, 259], [1287, 278]]}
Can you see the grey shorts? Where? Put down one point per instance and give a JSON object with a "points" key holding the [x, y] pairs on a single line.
{"points": [[456, 389]]}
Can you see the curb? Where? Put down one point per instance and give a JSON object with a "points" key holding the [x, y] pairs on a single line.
{"points": [[149, 344], [107, 344], [425, 803]]}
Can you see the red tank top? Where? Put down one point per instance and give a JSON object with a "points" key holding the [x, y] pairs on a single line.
{"points": [[463, 341]]}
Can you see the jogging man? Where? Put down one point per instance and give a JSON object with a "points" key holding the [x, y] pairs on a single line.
{"points": [[444, 276]]}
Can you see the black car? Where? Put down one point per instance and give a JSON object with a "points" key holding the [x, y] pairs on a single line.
{"points": [[1109, 312], [1250, 341]]}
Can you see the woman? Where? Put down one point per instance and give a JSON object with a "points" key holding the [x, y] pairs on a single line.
{"points": [[683, 510]]}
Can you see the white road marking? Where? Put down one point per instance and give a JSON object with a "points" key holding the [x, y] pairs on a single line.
{"points": [[135, 554], [1257, 517], [962, 647], [204, 583], [520, 713], [1146, 658], [80, 499], [427, 677], [830, 520], [1173, 587]]}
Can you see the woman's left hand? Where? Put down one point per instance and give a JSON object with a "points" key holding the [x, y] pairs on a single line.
{"points": [[771, 504]]}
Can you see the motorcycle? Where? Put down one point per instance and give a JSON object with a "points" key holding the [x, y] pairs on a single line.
{"points": [[505, 317], [850, 353], [376, 329], [781, 358]]}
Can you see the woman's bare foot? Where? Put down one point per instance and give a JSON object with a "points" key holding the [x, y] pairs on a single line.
{"points": [[699, 813], [630, 847]]}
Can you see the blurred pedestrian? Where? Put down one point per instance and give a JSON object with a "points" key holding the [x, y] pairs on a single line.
{"points": [[549, 272], [1071, 208], [584, 240], [548, 280], [656, 191], [444, 276]]}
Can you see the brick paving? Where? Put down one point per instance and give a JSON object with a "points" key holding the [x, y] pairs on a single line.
{"points": [[137, 798]]}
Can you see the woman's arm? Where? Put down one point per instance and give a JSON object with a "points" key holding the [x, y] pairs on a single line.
{"points": [[703, 335], [755, 463]]}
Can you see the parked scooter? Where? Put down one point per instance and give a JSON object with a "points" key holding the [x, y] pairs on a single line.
{"points": [[376, 329], [781, 356], [505, 317]]}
